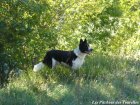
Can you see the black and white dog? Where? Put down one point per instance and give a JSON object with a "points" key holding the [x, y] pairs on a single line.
{"points": [[74, 58]]}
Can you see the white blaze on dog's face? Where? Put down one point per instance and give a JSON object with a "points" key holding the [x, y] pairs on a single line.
{"points": [[84, 47]]}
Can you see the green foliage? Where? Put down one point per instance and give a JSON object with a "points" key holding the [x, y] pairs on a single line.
{"points": [[25, 25], [33, 26]]}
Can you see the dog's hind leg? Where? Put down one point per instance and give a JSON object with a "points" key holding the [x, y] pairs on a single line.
{"points": [[54, 63]]}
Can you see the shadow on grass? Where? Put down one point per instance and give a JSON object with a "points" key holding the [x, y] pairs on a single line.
{"points": [[18, 96], [81, 97], [79, 94], [126, 90]]}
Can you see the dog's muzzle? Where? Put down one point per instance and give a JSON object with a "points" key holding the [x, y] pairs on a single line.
{"points": [[89, 51]]}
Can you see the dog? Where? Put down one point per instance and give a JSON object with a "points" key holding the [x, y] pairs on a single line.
{"points": [[74, 59]]}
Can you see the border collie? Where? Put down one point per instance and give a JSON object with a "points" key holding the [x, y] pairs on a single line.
{"points": [[74, 58]]}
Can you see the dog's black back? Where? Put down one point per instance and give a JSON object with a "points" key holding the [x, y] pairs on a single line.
{"points": [[59, 55]]}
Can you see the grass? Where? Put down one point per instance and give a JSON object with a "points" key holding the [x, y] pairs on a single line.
{"points": [[102, 78]]}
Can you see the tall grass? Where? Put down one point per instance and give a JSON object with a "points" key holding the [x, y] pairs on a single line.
{"points": [[102, 78]]}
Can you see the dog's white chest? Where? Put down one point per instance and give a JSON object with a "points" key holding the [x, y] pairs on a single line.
{"points": [[77, 63]]}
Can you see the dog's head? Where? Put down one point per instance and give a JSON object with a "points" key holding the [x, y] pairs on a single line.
{"points": [[84, 47]]}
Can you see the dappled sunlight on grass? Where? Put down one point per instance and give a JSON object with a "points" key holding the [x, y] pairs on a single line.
{"points": [[16, 96], [58, 92], [101, 78]]}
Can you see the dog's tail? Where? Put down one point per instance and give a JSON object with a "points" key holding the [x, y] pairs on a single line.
{"points": [[38, 67]]}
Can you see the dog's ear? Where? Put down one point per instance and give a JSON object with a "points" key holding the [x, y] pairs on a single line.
{"points": [[81, 41], [85, 40]]}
